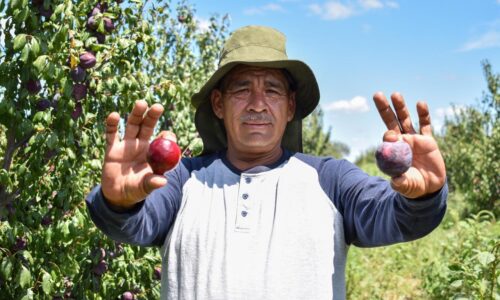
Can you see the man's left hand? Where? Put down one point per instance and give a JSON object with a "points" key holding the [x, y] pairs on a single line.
{"points": [[427, 173]]}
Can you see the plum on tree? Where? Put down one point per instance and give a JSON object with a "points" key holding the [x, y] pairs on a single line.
{"points": [[87, 60]]}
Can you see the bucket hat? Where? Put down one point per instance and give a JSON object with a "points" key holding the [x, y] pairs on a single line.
{"points": [[262, 47]]}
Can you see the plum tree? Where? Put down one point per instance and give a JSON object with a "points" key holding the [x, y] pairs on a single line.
{"points": [[52, 133]]}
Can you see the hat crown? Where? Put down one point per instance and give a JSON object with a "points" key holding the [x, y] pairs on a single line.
{"points": [[253, 44]]}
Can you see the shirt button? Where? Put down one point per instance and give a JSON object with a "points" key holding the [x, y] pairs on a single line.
{"points": [[244, 213], [245, 196], [248, 179]]}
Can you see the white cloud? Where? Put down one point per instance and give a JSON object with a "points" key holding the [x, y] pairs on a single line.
{"points": [[446, 112], [332, 10], [337, 9], [442, 113], [356, 104], [371, 4], [273, 7], [394, 4], [490, 39]]}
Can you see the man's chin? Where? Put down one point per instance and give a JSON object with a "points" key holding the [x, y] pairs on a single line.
{"points": [[258, 147]]}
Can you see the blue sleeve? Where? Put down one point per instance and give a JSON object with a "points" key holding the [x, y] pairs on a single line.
{"points": [[373, 213], [148, 223]]}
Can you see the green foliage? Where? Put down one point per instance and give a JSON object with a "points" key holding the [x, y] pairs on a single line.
{"points": [[458, 260], [466, 266], [51, 155], [471, 148], [367, 162], [316, 141]]}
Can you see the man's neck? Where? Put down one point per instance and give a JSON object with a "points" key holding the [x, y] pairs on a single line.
{"points": [[245, 161]]}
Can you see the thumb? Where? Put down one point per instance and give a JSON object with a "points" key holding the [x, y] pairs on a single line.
{"points": [[151, 182], [410, 184]]}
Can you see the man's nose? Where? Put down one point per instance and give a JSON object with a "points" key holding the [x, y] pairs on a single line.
{"points": [[257, 101]]}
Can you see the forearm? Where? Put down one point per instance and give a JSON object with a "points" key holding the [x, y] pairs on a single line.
{"points": [[140, 225], [376, 215]]}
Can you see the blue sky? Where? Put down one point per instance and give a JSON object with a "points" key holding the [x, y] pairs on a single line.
{"points": [[427, 50]]}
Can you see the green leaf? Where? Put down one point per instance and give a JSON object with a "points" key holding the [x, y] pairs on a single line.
{"points": [[19, 41], [28, 296], [65, 229], [35, 47], [39, 116], [40, 63], [46, 283], [485, 258], [4, 177], [24, 277], [52, 141], [456, 284], [25, 54], [6, 268], [14, 3], [59, 9]]}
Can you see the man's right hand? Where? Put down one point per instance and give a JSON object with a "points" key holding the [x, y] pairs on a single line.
{"points": [[126, 176]]}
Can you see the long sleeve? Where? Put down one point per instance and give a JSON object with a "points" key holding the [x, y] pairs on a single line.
{"points": [[373, 213], [146, 224]]}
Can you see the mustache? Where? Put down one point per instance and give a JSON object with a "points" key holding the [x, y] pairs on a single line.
{"points": [[257, 117]]}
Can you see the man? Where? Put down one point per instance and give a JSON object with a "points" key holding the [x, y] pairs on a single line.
{"points": [[253, 218]]}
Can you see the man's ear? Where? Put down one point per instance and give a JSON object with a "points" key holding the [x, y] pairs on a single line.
{"points": [[217, 105], [291, 106]]}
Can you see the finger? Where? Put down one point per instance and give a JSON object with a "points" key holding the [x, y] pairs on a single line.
{"points": [[149, 121], [424, 118], [169, 135], [402, 113], [151, 182], [385, 111], [134, 120], [391, 136], [112, 128]]}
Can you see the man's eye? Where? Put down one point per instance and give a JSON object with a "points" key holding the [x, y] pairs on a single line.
{"points": [[273, 92], [242, 91]]}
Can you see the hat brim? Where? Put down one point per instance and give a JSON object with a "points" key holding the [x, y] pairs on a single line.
{"points": [[211, 128]]}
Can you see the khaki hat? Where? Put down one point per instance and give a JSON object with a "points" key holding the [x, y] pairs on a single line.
{"points": [[263, 47]]}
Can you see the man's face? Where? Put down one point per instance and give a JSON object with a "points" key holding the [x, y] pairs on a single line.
{"points": [[255, 105]]}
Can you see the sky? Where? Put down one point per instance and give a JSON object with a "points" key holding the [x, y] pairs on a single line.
{"points": [[426, 50]]}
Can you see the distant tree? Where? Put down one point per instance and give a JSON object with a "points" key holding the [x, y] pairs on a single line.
{"points": [[470, 143], [316, 141]]}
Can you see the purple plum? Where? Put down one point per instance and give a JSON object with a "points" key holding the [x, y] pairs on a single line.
{"points": [[21, 244], [79, 91], [128, 296], [91, 23], [87, 60], [157, 273], [394, 158], [108, 24], [33, 86], [100, 268], [43, 104], [78, 74], [101, 37], [77, 112]]}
